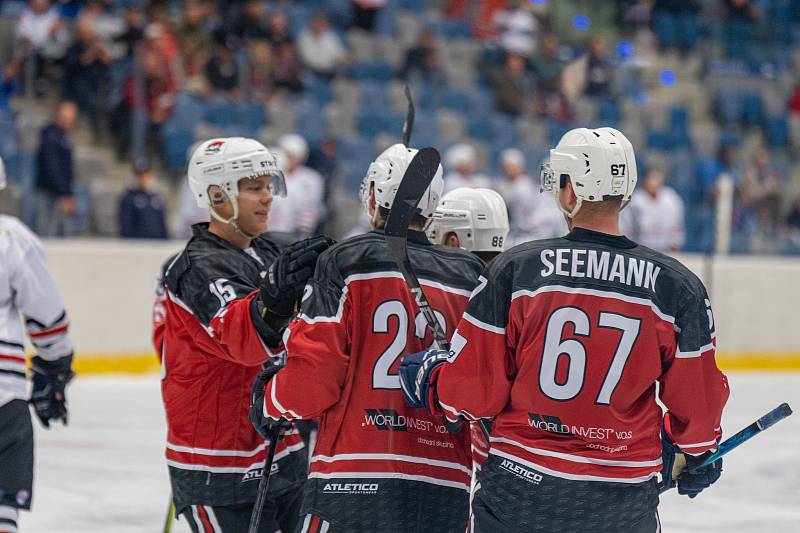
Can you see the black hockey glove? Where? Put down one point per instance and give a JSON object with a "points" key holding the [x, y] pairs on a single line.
{"points": [[261, 423], [49, 379], [282, 287], [684, 470]]}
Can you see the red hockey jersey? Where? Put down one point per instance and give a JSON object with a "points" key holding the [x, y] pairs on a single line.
{"points": [[357, 319], [565, 342], [212, 350]]}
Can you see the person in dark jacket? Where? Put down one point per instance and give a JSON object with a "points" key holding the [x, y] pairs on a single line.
{"points": [[141, 208], [55, 203]]}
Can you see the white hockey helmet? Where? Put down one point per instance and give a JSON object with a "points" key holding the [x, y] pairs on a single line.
{"points": [[477, 216], [600, 163], [385, 174], [2, 174]]}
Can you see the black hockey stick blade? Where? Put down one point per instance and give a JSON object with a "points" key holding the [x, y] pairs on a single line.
{"points": [[409, 123], [415, 182]]}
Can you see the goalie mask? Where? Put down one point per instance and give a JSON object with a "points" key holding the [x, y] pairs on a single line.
{"points": [[600, 164], [385, 174], [217, 166], [477, 216]]}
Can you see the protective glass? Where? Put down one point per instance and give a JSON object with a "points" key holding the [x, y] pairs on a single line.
{"points": [[547, 178]]}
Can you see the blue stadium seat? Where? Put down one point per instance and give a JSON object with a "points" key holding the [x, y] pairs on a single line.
{"points": [[479, 127], [752, 109], [220, 112], [679, 127], [608, 112], [373, 95], [776, 129], [455, 99], [319, 88], [380, 71], [176, 143], [188, 112], [729, 106]]}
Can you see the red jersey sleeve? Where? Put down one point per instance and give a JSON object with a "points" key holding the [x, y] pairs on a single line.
{"points": [[476, 381], [692, 387], [317, 345]]}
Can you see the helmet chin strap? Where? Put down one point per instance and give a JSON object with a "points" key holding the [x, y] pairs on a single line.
{"points": [[570, 214], [233, 220]]}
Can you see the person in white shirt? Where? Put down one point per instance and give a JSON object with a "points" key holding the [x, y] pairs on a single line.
{"points": [[531, 214], [517, 28], [299, 213], [40, 30], [461, 161], [320, 48], [655, 216], [29, 304]]}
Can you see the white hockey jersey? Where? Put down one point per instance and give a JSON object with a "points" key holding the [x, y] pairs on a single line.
{"points": [[29, 301], [301, 210]]}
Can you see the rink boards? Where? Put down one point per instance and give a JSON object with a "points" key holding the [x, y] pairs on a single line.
{"points": [[108, 288]]}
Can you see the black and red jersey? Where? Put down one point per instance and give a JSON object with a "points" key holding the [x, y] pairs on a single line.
{"points": [[566, 342], [357, 320], [212, 348]]}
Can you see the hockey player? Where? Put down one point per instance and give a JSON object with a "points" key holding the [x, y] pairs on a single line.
{"points": [[377, 465], [477, 221], [229, 295], [563, 344], [473, 219], [30, 302]]}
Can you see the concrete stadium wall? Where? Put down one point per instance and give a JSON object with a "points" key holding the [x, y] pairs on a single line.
{"points": [[108, 286]]}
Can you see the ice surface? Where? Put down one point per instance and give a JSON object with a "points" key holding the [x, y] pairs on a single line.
{"points": [[105, 472]]}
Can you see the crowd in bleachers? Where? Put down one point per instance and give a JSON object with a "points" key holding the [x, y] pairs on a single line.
{"points": [[703, 88]]}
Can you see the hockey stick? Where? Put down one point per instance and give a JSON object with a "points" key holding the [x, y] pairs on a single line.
{"points": [[418, 177], [255, 518], [409, 123], [733, 442], [170, 516]]}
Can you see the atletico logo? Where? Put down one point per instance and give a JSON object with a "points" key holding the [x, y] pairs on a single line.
{"points": [[214, 147]]}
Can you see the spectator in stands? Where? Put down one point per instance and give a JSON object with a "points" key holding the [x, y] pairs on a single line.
{"points": [[461, 163], [762, 189], [260, 79], [365, 12], [196, 43], [8, 82], [513, 87], [299, 213], [531, 214], [741, 14], [422, 60], [141, 209], [287, 69], [40, 35], [517, 28], [321, 50], [547, 65], [222, 70], [794, 117], [250, 21], [599, 71], [55, 201], [135, 23], [107, 25], [654, 217], [86, 69], [278, 29]]}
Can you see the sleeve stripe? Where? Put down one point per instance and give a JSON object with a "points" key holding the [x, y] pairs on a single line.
{"points": [[695, 353], [696, 444], [273, 384], [483, 325]]}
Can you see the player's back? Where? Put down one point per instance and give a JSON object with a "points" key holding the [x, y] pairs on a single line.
{"points": [[593, 322], [359, 309]]}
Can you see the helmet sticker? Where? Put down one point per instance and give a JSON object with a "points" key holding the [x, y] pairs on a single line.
{"points": [[214, 147]]}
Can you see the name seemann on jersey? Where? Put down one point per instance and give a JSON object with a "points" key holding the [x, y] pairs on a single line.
{"points": [[606, 266]]}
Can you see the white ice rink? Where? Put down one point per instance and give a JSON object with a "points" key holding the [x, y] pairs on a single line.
{"points": [[105, 472]]}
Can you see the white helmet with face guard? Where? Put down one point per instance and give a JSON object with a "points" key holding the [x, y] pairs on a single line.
{"points": [[217, 165], [600, 163], [477, 216], [385, 174]]}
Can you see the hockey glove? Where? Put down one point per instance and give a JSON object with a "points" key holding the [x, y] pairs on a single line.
{"points": [[49, 380], [261, 423], [416, 373], [684, 470], [282, 287]]}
